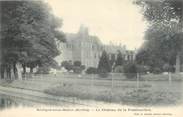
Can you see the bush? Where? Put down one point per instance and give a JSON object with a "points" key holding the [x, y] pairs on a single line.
{"points": [[103, 73], [130, 70], [119, 69], [157, 70], [43, 70], [168, 68], [92, 70], [142, 69], [82, 67], [77, 63], [77, 69], [67, 65]]}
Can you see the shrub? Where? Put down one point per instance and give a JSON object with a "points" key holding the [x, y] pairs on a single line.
{"points": [[77, 63], [168, 68], [157, 70], [130, 70], [103, 73], [83, 67], [43, 70], [119, 69], [142, 69], [67, 65], [77, 69], [91, 70]]}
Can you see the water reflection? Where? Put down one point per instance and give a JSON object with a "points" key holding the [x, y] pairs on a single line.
{"points": [[7, 102]]}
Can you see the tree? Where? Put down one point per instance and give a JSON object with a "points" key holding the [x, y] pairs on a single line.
{"points": [[104, 64], [29, 32], [130, 70], [77, 63], [67, 65], [161, 46], [78, 67], [163, 37], [120, 60], [119, 69], [91, 70]]}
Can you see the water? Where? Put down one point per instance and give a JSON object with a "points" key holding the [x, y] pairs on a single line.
{"points": [[7, 102]]}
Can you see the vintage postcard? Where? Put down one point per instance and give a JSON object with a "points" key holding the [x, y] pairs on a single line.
{"points": [[91, 58]]}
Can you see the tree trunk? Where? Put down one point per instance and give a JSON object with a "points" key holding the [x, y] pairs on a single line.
{"points": [[19, 73], [2, 71], [8, 70], [12, 74], [31, 70], [169, 77], [177, 66], [24, 69], [5, 72], [15, 71]]}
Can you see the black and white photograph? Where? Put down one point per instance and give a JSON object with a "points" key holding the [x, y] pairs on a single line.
{"points": [[91, 54]]}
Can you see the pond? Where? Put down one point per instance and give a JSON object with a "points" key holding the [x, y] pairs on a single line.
{"points": [[7, 102], [11, 102]]}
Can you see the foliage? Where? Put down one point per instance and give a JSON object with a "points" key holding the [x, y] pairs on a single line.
{"points": [[161, 10], [120, 59], [163, 38], [103, 73], [119, 69], [77, 69], [141, 69], [67, 65], [29, 33], [82, 67], [104, 64], [112, 61], [130, 70], [43, 70], [91, 70], [168, 68], [77, 63]]}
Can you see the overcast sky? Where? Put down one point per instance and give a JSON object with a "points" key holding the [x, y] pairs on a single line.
{"points": [[118, 21]]}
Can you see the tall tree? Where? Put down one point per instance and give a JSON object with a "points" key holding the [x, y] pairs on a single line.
{"points": [[104, 64], [120, 60], [29, 33], [164, 36]]}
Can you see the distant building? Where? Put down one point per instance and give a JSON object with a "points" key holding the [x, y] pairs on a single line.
{"points": [[88, 49]]}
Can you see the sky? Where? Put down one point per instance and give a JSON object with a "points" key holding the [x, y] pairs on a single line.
{"points": [[116, 21]]}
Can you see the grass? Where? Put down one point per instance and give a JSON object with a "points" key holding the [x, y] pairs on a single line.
{"points": [[124, 92], [162, 77], [149, 92], [121, 76]]}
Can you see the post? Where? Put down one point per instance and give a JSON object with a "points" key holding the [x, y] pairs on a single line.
{"points": [[112, 86], [92, 82], [177, 66], [18, 66], [112, 80], [92, 79], [169, 78], [137, 80]]}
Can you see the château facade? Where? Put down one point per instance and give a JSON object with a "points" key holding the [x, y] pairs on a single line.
{"points": [[88, 49]]}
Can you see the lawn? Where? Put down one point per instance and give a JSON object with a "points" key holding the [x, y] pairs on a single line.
{"points": [[144, 92]]}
